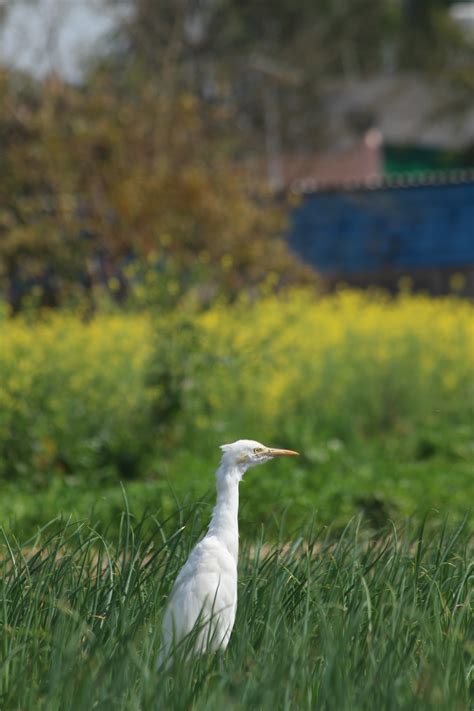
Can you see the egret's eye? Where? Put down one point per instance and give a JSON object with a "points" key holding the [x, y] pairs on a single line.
{"points": [[257, 450]]}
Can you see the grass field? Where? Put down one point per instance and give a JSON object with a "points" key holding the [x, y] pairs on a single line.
{"points": [[128, 410], [347, 621]]}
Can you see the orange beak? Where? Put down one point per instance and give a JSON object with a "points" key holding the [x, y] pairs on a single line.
{"points": [[282, 452]]}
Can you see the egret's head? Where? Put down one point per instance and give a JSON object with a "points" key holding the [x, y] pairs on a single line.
{"points": [[247, 453]]}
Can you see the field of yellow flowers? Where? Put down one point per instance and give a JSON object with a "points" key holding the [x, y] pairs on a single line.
{"points": [[376, 393]]}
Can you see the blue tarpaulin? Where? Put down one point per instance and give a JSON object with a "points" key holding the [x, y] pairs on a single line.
{"points": [[394, 227]]}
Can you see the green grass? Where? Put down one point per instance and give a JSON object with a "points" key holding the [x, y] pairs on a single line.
{"points": [[387, 478], [339, 621]]}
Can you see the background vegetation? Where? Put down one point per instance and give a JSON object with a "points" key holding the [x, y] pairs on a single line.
{"points": [[163, 146], [376, 393]]}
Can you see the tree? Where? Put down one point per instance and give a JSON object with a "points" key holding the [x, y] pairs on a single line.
{"points": [[270, 59], [91, 180]]}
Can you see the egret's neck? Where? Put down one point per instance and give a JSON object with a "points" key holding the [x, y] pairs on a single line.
{"points": [[224, 522]]}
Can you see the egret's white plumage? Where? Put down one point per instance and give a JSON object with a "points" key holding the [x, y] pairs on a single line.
{"points": [[204, 596]]}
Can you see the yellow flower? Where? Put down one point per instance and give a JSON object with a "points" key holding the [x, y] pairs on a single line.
{"points": [[291, 353], [226, 261], [114, 284]]}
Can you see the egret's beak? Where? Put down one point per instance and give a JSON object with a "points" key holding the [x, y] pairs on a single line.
{"points": [[282, 452]]}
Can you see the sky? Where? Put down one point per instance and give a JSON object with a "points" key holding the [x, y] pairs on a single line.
{"points": [[43, 35]]}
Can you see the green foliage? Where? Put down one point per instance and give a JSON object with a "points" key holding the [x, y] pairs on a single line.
{"points": [[176, 376], [337, 623], [374, 393]]}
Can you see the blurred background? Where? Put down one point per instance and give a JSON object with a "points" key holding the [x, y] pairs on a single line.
{"points": [[189, 191]]}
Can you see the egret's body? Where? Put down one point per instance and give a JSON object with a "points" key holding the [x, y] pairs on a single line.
{"points": [[204, 596]]}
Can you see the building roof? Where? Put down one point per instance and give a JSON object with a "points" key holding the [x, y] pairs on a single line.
{"points": [[359, 162], [453, 177], [407, 109]]}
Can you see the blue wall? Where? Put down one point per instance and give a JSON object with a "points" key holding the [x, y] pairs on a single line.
{"points": [[387, 228]]}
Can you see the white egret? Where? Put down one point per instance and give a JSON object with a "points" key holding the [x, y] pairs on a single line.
{"points": [[204, 596]]}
